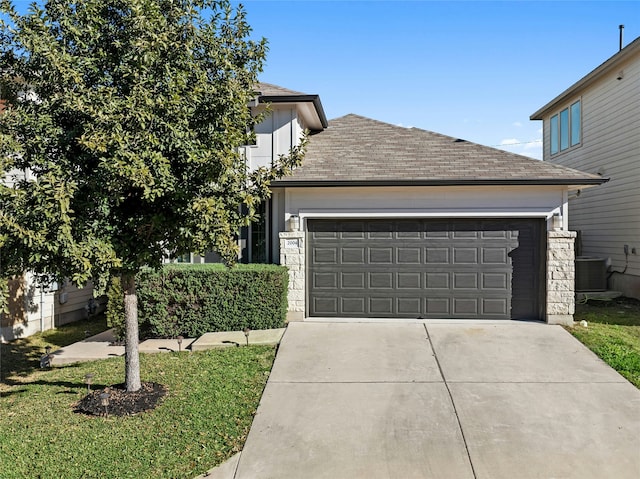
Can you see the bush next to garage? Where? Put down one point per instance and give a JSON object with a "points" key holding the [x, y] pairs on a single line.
{"points": [[193, 299]]}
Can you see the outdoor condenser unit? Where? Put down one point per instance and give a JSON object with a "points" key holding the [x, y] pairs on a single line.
{"points": [[591, 274]]}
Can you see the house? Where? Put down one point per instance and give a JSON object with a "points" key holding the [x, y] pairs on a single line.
{"points": [[594, 126], [383, 221], [34, 307]]}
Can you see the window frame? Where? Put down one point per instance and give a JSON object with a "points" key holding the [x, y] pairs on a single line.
{"points": [[562, 130]]}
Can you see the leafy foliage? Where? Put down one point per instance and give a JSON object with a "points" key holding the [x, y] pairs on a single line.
{"points": [[121, 139], [191, 300]]}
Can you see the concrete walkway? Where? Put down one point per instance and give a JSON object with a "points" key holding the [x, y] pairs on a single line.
{"points": [[442, 401], [100, 346]]}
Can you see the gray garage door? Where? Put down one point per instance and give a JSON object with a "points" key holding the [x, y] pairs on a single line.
{"points": [[425, 268]]}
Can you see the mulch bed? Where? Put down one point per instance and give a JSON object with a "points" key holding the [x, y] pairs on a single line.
{"points": [[121, 402]]}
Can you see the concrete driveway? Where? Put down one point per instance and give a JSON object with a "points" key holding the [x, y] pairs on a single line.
{"points": [[442, 401]]}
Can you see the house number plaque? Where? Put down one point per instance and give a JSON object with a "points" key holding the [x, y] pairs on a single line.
{"points": [[292, 243]]}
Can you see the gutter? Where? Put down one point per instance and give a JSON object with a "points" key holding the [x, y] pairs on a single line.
{"points": [[434, 182]]}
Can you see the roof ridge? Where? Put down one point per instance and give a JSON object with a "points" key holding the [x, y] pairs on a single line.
{"points": [[452, 139], [361, 150]]}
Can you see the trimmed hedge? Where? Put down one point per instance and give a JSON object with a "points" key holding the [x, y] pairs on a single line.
{"points": [[193, 299]]}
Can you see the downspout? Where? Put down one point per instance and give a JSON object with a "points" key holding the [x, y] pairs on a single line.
{"points": [[41, 308]]}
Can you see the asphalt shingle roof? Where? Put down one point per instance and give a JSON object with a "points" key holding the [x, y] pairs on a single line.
{"points": [[267, 89], [355, 149]]}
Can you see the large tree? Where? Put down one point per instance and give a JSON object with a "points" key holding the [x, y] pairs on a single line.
{"points": [[124, 123]]}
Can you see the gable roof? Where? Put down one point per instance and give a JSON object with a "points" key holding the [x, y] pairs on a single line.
{"points": [[611, 64], [359, 151]]}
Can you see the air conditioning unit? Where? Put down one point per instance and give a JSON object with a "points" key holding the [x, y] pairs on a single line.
{"points": [[591, 274]]}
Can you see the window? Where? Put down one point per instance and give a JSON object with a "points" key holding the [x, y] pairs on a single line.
{"points": [[259, 237], [565, 128], [183, 258]]}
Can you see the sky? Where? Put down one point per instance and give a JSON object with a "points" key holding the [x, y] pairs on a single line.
{"points": [[472, 70], [469, 69]]}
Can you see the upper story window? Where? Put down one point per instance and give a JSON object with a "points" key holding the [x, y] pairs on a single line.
{"points": [[566, 128]]}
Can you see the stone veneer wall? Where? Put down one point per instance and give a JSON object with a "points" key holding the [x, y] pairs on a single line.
{"points": [[292, 255], [560, 277]]}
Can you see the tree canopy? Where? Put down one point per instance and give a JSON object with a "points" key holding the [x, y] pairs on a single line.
{"points": [[120, 139]]}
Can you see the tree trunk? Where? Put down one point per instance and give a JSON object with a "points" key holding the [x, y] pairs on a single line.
{"points": [[131, 356]]}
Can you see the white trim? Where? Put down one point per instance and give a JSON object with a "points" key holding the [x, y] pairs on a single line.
{"points": [[427, 213]]}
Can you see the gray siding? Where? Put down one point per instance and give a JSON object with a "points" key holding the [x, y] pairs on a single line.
{"points": [[608, 216]]}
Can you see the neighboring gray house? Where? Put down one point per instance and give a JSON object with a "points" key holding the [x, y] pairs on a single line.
{"points": [[594, 126], [383, 221]]}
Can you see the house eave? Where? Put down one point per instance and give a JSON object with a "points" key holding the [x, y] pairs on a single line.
{"points": [[604, 69], [572, 182], [314, 99]]}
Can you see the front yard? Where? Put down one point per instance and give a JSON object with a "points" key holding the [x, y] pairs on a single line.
{"points": [[204, 419], [613, 333], [206, 415]]}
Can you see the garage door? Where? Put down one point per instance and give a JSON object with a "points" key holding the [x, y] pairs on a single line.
{"points": [[459, 269]]}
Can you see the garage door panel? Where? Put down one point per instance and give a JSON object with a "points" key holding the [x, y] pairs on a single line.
{"points": [[353, 255], [465, 255], [437, 280], [353, 306], [495, 256], [438, 255], [409, 280], [325, 306], [380, 230], [498, 307], [408, 255], [381, 306], [325, 255], [425, 268], [380, 255], [353, 280], [495, 281], [381, 280], [465, 307], [325, 280], [352, 230], [409, 306], [465, 281], [438, 307]]}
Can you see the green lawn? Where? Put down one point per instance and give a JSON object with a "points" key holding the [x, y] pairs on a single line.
{"points": [[204, 419], [613, 333]]}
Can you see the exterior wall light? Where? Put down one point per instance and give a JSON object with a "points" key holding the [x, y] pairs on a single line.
{"points": [[556, 222], [294, 223]]}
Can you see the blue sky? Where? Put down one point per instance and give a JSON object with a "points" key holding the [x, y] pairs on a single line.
{"points": [[472, 70]]}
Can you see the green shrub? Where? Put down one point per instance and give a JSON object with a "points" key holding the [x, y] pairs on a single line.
{"points": [[190, 300]]}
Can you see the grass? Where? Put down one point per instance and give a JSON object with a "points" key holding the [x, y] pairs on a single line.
{"points": [[613, 333], [202, 421], [22, 356]]}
